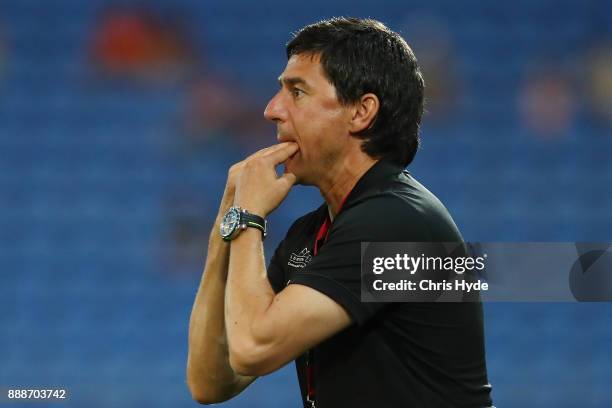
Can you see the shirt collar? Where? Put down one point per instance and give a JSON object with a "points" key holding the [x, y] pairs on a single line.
{"points": [[376, 179]]}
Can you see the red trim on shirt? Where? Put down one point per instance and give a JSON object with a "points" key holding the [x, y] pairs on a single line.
{"points": [[320, 239], [324, 229]]}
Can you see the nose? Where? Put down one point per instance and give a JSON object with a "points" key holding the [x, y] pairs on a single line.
{"points": [[275, 111]]}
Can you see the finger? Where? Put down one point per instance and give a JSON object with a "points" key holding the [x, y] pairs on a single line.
{"points": [[256, 154], [282, 152], [268, 149], [288, 178], [277, 147], [264, 150], [260, 153]]}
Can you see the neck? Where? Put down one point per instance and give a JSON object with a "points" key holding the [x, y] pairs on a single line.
{"points": [[341, 181]]}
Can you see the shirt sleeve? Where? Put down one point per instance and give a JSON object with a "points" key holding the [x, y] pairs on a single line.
{"points": [[275, 271], [336, 270]]}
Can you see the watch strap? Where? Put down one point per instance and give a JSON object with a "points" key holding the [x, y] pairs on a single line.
{"points": [[254, 221]]}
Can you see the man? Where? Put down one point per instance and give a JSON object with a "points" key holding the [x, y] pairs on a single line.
{"points": [[347, 114]]}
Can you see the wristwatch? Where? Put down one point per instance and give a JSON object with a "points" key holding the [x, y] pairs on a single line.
{"points": [[237, 219]]}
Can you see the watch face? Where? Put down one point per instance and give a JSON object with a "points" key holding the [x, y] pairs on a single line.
{"points": [[229, 223]]}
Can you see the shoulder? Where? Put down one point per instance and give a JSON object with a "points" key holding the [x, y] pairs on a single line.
{"points": [[405, 212], [307, 222]]}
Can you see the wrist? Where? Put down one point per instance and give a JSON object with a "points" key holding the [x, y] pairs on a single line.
{"points": [[238, 219], [251, 208], [253, 233]]}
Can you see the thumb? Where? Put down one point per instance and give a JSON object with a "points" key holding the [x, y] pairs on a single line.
{"points": [[289, 179]]}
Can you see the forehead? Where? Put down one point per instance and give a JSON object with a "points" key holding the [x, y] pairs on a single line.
{"points": [[306, 67]]}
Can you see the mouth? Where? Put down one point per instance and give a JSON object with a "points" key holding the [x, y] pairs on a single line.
{"points": [[283, 138]]}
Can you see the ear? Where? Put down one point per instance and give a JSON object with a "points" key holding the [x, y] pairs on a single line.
{"points": [[364, 112]]}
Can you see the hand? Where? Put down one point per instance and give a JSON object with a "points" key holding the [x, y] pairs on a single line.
{"points": [[234, 174], [259, 189], [230, 188], [232, 178]]}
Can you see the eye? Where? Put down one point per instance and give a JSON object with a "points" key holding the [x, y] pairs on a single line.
{"points": [[296, 92]]}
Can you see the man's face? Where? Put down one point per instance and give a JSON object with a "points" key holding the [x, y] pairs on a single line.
{"points": [[307, 111]]}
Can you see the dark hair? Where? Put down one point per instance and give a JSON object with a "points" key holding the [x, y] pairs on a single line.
{"points": [[362, 56]]}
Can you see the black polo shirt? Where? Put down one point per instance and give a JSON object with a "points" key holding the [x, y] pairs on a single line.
{"points": [[394, 354]]}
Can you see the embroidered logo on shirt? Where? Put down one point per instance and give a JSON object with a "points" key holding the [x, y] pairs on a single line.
{"points": [[300, 260]]}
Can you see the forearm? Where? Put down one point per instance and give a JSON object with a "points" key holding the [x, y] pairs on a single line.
{"points": [[248, 297], [209, 374], [266, 330], [248, 294]]}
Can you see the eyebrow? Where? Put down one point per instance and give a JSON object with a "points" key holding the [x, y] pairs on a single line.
{"points": [[292, 81]]}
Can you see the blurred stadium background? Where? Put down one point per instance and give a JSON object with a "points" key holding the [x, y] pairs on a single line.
{"points": [[118, 121]]}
